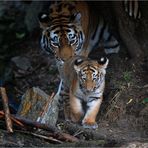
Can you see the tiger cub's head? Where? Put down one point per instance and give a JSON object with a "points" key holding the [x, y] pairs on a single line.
{"points": [[62, 34], [91, 73]]}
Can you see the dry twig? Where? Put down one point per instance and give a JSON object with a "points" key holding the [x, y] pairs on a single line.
{"points": [[6, 110], [46, 107], [2, 114], [52, 131]]}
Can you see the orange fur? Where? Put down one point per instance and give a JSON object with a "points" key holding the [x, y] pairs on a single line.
{"points": [[72, 77]]}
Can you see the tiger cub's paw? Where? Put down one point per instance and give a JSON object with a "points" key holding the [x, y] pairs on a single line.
{"points": [[90, 125]]}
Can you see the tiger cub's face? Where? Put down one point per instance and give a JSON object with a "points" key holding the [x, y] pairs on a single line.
{"points": [[91, 73]]}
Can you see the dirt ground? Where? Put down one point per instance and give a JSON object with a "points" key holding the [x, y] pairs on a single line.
{"points": [[123, 117]]}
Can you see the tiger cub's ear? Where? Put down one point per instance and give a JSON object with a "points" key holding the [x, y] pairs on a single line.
{"points": [[103, 62], [76, 18], [77, 63], [44, 20]]}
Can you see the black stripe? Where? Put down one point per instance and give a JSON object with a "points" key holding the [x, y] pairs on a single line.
{"points": [[114, 46], [102, 31], [128, 7], [100, 36], [61, 17], [133, 8], [109, 37], [84, 69], [92, 69], [93, 98], [78, 97], [61, 26], [61, 21], [59, 7], [94, 34]]}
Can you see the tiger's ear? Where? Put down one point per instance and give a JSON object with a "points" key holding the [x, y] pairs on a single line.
{"points": [[44, 20], [77, 63], [76, 18], [103, 62]]}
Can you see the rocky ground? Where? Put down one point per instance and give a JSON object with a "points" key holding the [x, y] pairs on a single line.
{"points": [[123, 117]]}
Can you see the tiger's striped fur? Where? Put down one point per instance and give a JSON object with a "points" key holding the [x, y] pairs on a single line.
{"points": [[83, 87], [72, 28], [132, 7]]}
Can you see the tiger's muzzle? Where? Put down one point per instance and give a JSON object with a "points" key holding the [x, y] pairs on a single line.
{"points": [[65, 50]]}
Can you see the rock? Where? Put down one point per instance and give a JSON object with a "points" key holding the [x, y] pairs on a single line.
{"points": [[22, 63], [37, 106]]}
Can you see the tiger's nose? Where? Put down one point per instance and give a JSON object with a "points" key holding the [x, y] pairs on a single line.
{"points": [[89, 87], [66, 53], [66, 57]]}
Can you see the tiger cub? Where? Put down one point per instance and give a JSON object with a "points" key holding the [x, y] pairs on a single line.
{"points": [[84, 80]]}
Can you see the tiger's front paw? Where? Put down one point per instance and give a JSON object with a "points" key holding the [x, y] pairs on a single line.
{"points": [[88, 123], [90, 126]]}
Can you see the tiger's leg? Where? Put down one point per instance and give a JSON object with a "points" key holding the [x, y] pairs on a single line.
{"points": [[58, 95], [67, 109], [77, 112], [110, 43], [63, 95], [89, 120]]}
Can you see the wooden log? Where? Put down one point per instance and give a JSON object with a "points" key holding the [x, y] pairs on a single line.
{"points": [[51, 139], [37, 106], [35, 124], [54, 132], [63, 137], [6, 110], [49, 131]]}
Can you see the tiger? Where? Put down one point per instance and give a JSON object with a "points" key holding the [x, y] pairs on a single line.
{"points": [[73, 28], [83, 88], [132, 7]]}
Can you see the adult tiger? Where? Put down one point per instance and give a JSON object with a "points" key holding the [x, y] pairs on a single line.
{"points": [[72, 28], [75, 28], [83, 89]]}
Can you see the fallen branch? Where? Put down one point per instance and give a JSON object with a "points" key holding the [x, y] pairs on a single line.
{"points": [[63, 137], [2, 114], [46, 107], [35, 124], [6, 110], [52, 131], [47, 138], [41, 136], [31, 123]]}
